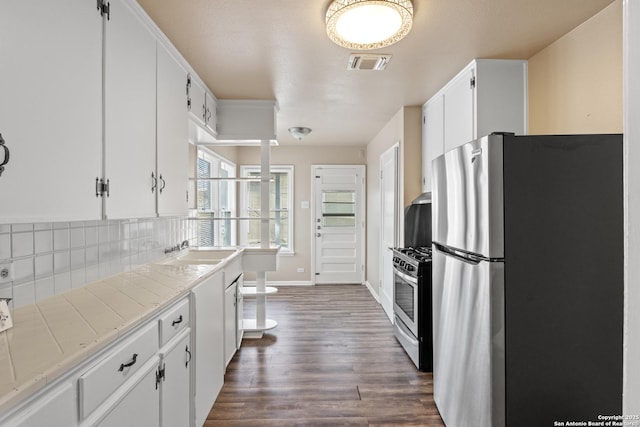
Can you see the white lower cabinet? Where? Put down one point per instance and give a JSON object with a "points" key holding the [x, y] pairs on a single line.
{"points": [[209, 363], [175, 365], [138, 405], [230, 321], [166, 372], [55, 408], [112, 371]]}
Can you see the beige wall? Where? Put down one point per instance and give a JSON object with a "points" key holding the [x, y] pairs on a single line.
{"points": [[302, 158], [575, 84], [404, 127]]}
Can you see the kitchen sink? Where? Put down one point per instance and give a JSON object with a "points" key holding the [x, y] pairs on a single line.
{"points": [[206, 254], [200, 256]]}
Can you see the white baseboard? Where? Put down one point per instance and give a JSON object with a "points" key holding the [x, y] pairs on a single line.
{"points": [[372, 292], [281, 283]]}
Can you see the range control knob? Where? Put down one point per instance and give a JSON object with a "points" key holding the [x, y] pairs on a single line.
{"points": [[410, 267]]}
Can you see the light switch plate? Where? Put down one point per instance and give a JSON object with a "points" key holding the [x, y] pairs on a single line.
{"points": [[5, 316]]}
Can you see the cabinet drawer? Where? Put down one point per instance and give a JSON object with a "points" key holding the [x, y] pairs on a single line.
{"points": [[115, 368], [175, 320]]}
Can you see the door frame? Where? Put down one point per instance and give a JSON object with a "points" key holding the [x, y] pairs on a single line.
{"points": [[395, 148], [362, 208]]}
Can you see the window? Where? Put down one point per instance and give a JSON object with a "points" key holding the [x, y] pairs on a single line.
{"points": [[280, 207], [216, 201]]}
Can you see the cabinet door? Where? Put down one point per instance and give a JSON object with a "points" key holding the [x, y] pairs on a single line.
{"points": [[432, 137], [56, 408], [174, 393], [211, 116], [239, 311], [198, 108], [139, 407], [130, 114], [229, 323], [172, 144], [208, 344], [459, 111], [50, 109]]}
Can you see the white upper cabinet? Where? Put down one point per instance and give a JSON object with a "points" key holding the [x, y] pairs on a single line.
{"points": [[459, 109], [130, 115], [210, 112], [50, 110], [432, 136], [172, 144], [489, 95], [197, 103]]}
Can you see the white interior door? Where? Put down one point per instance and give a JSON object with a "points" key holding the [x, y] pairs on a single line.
{"points": [[389, 198], [338, 225]]}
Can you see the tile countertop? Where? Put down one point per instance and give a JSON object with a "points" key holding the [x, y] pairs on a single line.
{"points": [[52, 336]]}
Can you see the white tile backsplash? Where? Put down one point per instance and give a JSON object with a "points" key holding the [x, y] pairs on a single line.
{"points": [[5, 246], [43, 241], [17, 228], [44, 265], [62, 282], [61, 239], [44, 288], [61, 262], [50, 258], [78, 278], [23, 270], [91, 235], [24, 294], [77, 237], [91, 256], [22, 244]]}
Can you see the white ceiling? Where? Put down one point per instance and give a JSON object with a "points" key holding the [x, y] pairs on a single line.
{"points": [[278, 49]]}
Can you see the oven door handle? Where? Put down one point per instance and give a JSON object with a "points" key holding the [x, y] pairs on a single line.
{"points": [[405, 332], [406, 277]]}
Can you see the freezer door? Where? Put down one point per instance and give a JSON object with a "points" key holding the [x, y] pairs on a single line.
{"points": [[468, 211], [468, 341]]}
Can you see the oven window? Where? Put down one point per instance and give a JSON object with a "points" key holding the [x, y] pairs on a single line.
{"points": [[404, 297]]}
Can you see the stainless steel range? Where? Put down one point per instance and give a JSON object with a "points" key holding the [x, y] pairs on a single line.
{"points": [[412, 286]]}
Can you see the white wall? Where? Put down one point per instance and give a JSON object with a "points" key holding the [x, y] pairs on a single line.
{"points": [[302, 158], [631, 387], [404, 127]]}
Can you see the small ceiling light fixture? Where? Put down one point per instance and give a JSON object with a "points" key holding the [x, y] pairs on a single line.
{"points": [[368, 24], [299, 132]]}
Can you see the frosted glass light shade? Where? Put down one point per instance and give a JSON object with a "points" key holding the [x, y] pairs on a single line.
{"points": [[368, 24]]}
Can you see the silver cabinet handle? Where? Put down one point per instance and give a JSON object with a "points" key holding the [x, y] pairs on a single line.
{"points": [[6, 154]]}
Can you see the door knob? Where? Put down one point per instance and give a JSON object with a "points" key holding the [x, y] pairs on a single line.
{"points": [[317, 234]]}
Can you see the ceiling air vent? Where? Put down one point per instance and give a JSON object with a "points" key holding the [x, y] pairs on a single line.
{"points": [[365, 61]]}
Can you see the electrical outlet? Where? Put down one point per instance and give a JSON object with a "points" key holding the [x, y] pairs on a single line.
{"points": [[300, 270], [5, 316], [6, 272]]}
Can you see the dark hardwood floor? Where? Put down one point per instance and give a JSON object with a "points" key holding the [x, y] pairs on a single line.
{"points": [[332, 361]]}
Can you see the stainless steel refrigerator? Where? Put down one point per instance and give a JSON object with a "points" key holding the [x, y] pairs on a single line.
{"points": [[528, 280]]}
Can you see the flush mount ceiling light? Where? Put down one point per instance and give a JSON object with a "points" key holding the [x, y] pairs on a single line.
{"points": [[368, 24], [299, 132]]}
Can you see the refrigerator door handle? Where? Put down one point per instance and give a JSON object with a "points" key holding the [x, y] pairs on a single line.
{"points": [[460, 255]]}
